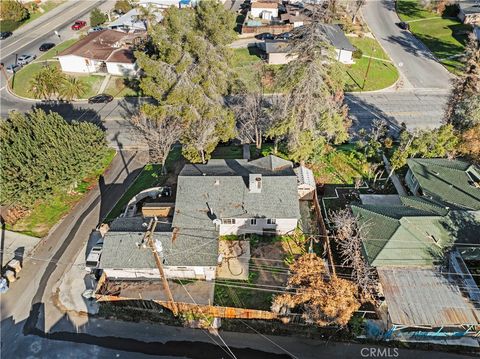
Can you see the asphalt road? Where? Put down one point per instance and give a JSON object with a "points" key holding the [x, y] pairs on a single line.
{"points": [[417, 65]]}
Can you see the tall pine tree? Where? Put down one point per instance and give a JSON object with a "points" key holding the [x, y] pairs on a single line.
{"points": [[42, 154]]}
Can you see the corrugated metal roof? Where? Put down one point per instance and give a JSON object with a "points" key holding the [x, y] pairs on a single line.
{"points": [[423, 297]]}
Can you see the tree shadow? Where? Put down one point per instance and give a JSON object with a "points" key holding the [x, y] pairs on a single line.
{"points": [[411, 46], [71, 113]]}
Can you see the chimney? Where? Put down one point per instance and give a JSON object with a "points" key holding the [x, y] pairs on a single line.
{"points": [[255, 183]]}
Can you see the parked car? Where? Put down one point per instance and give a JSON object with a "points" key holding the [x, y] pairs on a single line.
{"points": [[13, 68], [93, 258], [264, 36], [403, 25], [95, 29], [5, 34], [79, 24], [46, 46], [102, 98], [26, 59], [284, 36]]}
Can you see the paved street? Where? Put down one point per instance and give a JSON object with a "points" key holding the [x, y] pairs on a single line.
{"points": [[416, 63]]}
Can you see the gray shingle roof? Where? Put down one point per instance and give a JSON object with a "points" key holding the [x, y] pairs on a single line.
{"points": [[337, 38], [277, 46], [469, 6], [190, 248], [222, 186], [138, 224], [447, 181]]}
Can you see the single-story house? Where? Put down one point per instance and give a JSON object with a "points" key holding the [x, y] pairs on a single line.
{"points": [[453, 182], [343, 48], [237, 197], [425, 303], [476, 32], [296, 15], [131, 21], [101, 51], [278, 52], [264, 9], [416, 232], [469, 11], [125, 257]]}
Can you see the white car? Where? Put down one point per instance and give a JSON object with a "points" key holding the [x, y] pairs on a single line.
{"points": [[26, 59], [13, 68], [93, 258]]}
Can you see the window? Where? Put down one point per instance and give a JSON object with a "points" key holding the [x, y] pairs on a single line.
{"points": [[253, 221], [228, 221], [271, 221]]}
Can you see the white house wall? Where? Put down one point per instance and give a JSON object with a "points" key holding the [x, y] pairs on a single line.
{"points": [[243, 226], [192, 272], [73, 63], [344, 56], [121, 69], [257, 12]]}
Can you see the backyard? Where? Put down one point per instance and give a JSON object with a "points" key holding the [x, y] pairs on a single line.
{"points": [[382, 72], [444, 35], [49, 211]]}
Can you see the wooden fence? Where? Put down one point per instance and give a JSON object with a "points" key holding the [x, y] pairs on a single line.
{"points": [[323, 232]]}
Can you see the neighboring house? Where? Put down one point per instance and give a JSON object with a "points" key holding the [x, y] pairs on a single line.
{"points": [[476, 32], [278, 52], [306, 182], [237, 197], [469, 11], [264, 9], [296, 15], [416, 232], [132, 21], [454, 182], [343, 48], [426, 303], [165, 4], [102, 51]]}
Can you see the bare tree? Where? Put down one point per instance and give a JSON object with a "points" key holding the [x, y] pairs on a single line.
{"points": [[358, 4], [349, 237], [160, 135], [252, 118]]}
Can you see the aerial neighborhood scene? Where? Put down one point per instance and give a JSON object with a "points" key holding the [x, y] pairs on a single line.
{"points": [[240, 179]]}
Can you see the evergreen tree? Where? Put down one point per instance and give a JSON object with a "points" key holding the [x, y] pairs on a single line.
{"points": [[188, 74], [13, 10], [123, 6], [314, 84], [463, 107], [97, 17], [42, 154]]}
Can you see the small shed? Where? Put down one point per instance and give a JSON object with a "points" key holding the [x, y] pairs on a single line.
{"points": [[306, 182]]}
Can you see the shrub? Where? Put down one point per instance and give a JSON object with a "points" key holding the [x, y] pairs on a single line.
{"points": [[97, 17], [13, 10], [9, 25], [357, 54]]}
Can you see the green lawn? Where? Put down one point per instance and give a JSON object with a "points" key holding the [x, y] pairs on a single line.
{"points": [[57, 49], [382, 74], [150, 176], [117, 87], [21, 81], [49, 211], [46, 7], [444, 36], [248, 65]]}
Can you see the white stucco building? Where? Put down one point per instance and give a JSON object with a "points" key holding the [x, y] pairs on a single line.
{"points": [[264, 9], [106, 51]]}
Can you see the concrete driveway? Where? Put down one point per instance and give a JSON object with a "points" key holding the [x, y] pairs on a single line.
{"points": [[418, 67]]}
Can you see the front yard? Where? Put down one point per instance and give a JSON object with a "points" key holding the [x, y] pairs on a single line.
{"points": [[444, 35], [49, 211], [382, 72], [20, 82]]}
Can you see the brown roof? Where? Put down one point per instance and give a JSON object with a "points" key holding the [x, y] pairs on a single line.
{"points": [[265, 5], [122, 55], [97, 45]]}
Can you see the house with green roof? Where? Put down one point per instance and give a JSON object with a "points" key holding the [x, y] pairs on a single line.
{"points": [[454, 183], [416, 233]]}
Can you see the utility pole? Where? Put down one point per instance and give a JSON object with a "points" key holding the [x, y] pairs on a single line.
{"points": [[368, 68], [149, 238]]}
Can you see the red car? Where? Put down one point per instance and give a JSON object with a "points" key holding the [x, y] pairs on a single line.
{"points": [[79, 24]]}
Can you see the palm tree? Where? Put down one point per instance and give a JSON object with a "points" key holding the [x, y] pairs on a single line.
{"points": [[72, 88], [147, 15], [47, 82], [39, 86]]}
